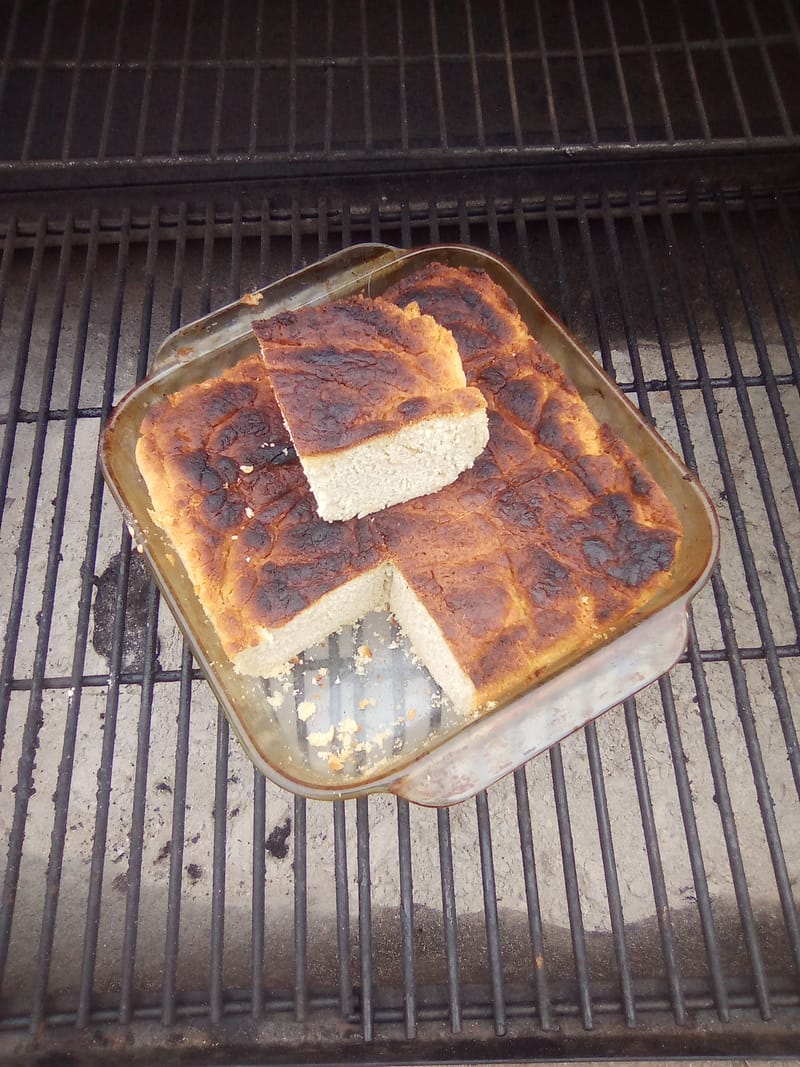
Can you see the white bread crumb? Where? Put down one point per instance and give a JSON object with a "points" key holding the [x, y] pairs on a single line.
{"points": [[321, 738], [305, 710]]}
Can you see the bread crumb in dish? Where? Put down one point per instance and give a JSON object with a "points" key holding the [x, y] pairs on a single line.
{"points": [[321, 737], [305, 710]]}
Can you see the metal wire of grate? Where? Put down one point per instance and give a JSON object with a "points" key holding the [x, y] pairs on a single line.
{"points": [[198, 89], [636, 885]]}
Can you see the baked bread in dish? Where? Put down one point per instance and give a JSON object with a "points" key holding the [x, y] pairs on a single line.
{"points": [[375, 400], [542, 550]]}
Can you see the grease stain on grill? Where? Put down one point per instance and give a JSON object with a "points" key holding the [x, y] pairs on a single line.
{"points": [[195, 872], [120, 882], [163, 852], [276, 843], [134, 640]]}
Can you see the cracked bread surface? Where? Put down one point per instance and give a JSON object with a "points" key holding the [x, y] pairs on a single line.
{"points": [[541, 550], [375, 400]]}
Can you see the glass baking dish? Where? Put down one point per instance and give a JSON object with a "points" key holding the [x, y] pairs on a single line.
{"points": [[364, 682]]}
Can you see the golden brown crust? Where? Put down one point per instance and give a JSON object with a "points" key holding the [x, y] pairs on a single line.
{"points": [[555, 536], [352, 369]]}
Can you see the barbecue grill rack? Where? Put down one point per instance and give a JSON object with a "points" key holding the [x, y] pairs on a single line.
{"points": [[635, 891]]}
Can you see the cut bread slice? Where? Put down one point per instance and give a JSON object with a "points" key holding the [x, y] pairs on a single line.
{"points": [[375, 400], [342, 606]]}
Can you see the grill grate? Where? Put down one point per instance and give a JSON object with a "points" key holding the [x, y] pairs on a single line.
{"points": [[151, 91], [634, 892], [636, 885]]}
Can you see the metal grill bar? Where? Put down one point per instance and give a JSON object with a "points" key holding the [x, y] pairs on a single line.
{"points": [[258, 893], [437, 77], [37, 86], [217, 989], [732, 79], [182, 83], [610, 871], [698, 98], [623, 88], [449, 917], [95, 885], [365, 917], [579, 55], [137, 817], [418, 58], [147, 89], [292, 141], [73, 92], [257, 67], [512, 81], [473, 69], [14, 399], [401, 65], [490, 914], [532, 899], [406, 916], [220, 87], [342, 908], [366, 98], [732, 843], [328, 135], [300, 911], [177, 838], [663, 912], [576, 929], [179, 789], [652, 53], [695, 851], [787, 334]]}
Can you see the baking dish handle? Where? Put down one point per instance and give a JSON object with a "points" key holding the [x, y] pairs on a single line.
{"points": [[500, 742], [337, 274]]}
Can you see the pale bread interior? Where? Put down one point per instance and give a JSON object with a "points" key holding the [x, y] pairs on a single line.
{"points": [[429, 644], [343, 606], [390, 468]]}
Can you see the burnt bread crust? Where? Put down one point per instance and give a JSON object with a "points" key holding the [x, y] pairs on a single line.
{"points": [[347, 371], [227, 487], [565, 535], [543, 549], [526, 389], [366, 389]]}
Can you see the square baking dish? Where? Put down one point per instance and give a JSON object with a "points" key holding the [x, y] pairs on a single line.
{"points": [[365, 681]]}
